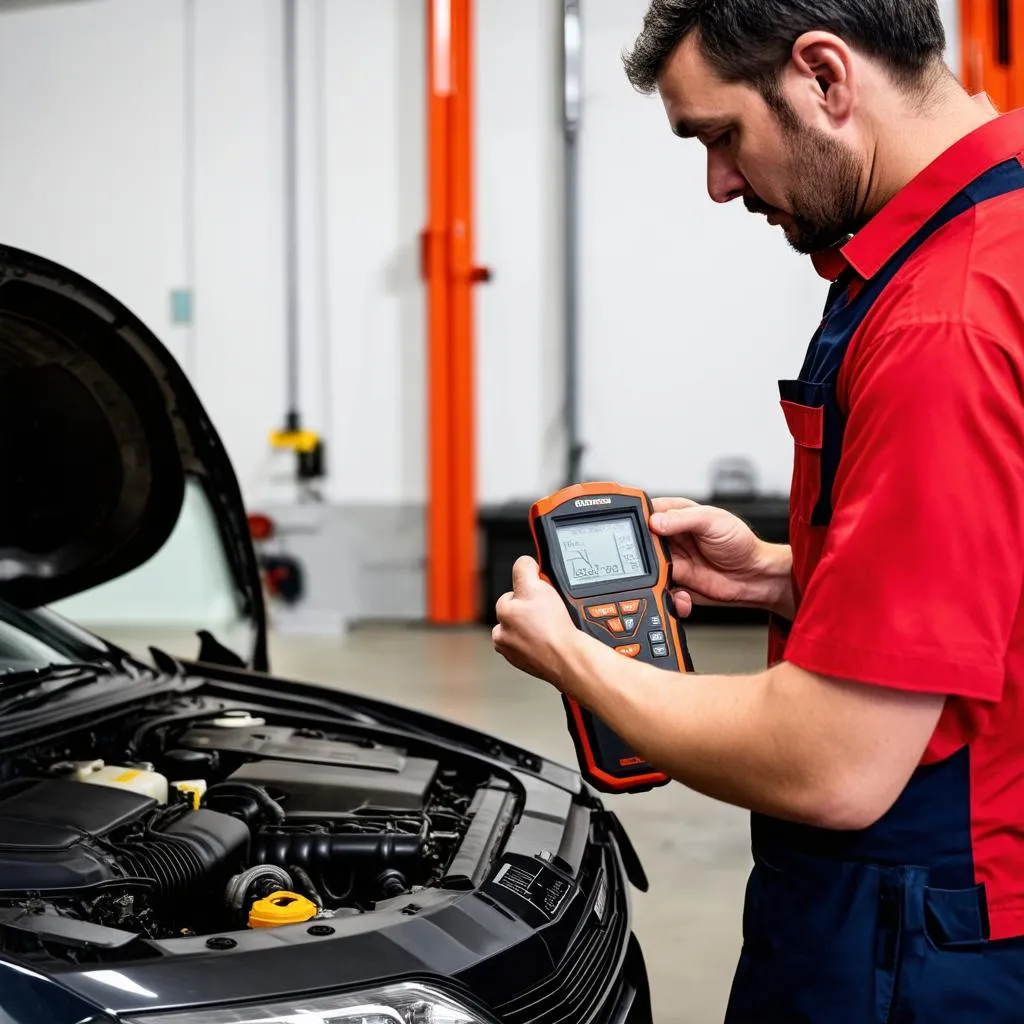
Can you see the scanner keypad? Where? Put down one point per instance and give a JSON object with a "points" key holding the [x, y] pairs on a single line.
{"points": [[623, 620]]}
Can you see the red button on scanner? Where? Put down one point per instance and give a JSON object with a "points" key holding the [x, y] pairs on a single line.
{"points": [[629, 650], [615, 626], [601, 611]]}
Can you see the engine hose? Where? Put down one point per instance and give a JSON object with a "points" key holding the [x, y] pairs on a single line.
{"points": [[391, 883], [306, 886], [238, 894], [338, 899], [247, 800]]}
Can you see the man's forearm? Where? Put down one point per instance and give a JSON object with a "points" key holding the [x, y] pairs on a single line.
{"points": [[774, 589], [707, 732], [761, 742]]}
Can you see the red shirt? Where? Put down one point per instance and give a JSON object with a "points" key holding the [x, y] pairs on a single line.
{"points": [[917, 583]]}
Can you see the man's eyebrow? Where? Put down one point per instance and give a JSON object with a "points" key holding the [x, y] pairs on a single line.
{"points": [[691, 129]]}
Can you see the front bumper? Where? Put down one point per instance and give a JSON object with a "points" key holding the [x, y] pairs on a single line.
{"points": [[599, 974]]}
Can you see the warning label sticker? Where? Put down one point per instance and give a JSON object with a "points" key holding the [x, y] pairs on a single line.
{"points": [[536, 884]]}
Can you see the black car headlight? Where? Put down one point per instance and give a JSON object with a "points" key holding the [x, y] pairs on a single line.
{"points": [[406, 1003]]}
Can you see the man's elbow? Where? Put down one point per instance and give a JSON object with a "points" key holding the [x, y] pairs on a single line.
{"points": [[847, 802], [855, 749]]}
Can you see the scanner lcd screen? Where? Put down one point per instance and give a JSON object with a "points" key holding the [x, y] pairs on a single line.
{"points": [[607, 549]]}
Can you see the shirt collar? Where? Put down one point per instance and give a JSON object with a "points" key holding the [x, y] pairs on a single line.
{"points": [[829, 263], [914, 205]]}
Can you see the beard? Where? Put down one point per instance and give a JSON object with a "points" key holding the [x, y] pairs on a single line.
{"points": [[823, 199]]}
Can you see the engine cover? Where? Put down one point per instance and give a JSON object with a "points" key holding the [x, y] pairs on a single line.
{"points": [[60, 834], [48, 833], [320, 778]]}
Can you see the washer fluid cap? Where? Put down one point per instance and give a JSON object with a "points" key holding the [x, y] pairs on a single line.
{"points": [[279, 908], [238, 720]]}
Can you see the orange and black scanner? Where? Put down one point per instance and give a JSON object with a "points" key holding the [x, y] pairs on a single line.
{"points": [[595, 547]]}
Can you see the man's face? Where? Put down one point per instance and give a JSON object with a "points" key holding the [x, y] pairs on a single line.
{"points": [[802, 178]]}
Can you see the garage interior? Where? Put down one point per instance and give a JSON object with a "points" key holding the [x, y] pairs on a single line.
{"points": [[270, 185]]}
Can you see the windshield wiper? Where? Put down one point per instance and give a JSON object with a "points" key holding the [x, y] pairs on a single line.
{"points": [[58, 670], [20, 690]]}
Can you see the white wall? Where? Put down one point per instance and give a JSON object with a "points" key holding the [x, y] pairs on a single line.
{"points": [[708, 303], [109, 166], [373, 58], [91, 130], [950, 10], [691, 311], [519, 202], [239, 224]]}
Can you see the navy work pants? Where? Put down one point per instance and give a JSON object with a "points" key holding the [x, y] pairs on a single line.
{"points": [[833, 942]]}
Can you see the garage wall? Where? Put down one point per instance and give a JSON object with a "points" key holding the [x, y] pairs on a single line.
{"points": [[951, 19], [706, 302], [92, 133], [235, 101], [371, 147], [363, 163], [143, 147], [709, 303]]}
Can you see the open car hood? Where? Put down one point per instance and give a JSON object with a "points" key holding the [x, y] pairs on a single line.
{"points": [[99, 429]]}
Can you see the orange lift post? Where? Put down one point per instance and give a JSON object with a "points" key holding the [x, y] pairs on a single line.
{"points": [[992, 61], [440, 607], [448, 267]]}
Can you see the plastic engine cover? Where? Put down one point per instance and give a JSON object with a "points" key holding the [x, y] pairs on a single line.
{"points": [[59, 834], [48, 832], [318, 778]]}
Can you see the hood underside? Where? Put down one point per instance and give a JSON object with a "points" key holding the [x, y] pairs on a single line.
{"points": [[98, 430]]}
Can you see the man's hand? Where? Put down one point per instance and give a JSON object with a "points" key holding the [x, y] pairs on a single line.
{"points": [[718, 560], [786, 742], [534, 631]]}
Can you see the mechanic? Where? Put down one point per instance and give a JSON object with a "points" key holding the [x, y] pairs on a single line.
{"points": [[881, 752]]}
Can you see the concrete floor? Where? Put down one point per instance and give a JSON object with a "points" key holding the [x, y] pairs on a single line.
{"points": [[695, 851]]}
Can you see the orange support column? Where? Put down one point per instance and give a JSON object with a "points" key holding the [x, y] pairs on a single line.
{"points": [[440, 607], [992, 35], [451, 275], [1016, 34], [463, 364]]}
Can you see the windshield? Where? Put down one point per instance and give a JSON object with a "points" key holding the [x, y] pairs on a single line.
{"points": [[28, 641], [20, 652]]}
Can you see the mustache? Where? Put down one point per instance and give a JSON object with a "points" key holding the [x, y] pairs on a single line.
{"points": [[755, 205]]}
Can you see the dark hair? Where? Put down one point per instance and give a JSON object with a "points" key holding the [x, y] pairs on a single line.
{"points": [[751, 40]]}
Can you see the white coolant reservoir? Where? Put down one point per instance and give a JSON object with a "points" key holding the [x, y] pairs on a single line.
{"points": [[238, 720], [151, 784]]}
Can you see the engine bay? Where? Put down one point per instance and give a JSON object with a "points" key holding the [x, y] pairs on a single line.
{"points": [[194, 824]]}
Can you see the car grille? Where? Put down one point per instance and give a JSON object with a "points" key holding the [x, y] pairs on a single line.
{"points": [[582, 980]]}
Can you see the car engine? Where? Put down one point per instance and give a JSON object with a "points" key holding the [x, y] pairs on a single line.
{"points": [[228, 822]]}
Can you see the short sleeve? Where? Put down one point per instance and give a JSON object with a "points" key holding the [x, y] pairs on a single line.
{"points": [[919, 585]]}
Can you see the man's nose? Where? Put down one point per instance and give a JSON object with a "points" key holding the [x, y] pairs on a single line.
{"points": [[725, 183]]}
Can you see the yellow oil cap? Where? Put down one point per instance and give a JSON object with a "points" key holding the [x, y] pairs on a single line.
{"points": [[280, 908]]}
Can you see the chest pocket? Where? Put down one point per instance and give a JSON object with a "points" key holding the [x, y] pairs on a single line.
{"points": [[812, 416]]}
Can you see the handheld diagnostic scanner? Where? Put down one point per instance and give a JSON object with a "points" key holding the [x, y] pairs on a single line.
{"points": [[596, 549]]}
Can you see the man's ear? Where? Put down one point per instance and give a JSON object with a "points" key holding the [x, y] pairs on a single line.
{"points": [[826, 73]]}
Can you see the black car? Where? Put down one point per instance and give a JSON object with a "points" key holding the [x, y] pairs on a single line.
{"points": [[197, 842]]}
